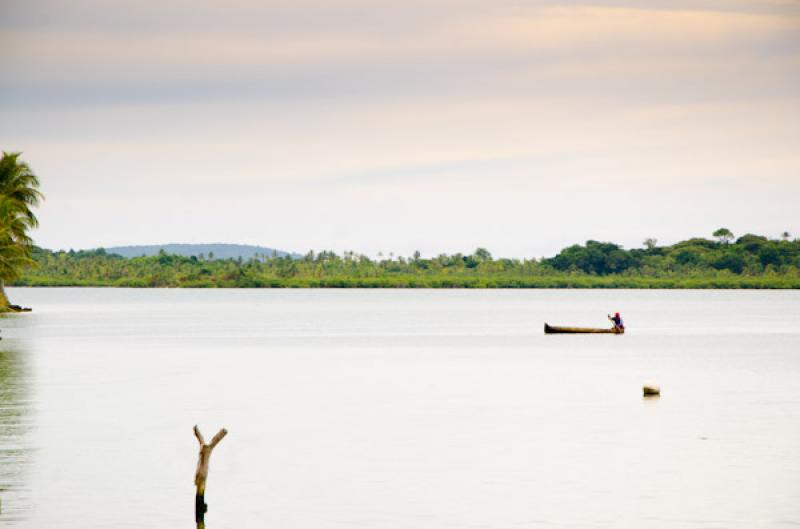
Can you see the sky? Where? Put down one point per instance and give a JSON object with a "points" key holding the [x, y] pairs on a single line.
{"points": [[385, 126]]}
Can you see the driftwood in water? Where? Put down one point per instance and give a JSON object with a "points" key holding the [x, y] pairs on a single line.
{"points": [[16, 308], [651, 390], [201, 474]]}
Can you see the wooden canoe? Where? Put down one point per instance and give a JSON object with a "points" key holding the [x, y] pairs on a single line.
{"points": [[549, 329]]}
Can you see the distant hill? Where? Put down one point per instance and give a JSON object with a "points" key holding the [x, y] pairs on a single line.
{"points": [[219, 250]]}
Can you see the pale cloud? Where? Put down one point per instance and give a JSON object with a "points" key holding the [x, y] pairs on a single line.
{"points": [[334, 60], [578, 27]]}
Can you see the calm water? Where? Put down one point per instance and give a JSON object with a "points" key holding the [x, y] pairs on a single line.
{"points": [[400, 409]]}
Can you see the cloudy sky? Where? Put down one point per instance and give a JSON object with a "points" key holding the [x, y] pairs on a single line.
{"points": [[438, 125]]}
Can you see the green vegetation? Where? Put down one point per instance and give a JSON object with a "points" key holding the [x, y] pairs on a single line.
{"points": [[220, 251], [752, 261], [18, 194], [723, 235]]}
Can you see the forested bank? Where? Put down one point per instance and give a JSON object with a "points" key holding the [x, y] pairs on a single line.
{"points": [[751, 261]]}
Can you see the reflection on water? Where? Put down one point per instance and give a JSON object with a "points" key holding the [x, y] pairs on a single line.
{"points": [[15, 422]]}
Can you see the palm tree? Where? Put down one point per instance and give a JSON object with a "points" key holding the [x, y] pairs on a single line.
{"points": [[18, 194]]}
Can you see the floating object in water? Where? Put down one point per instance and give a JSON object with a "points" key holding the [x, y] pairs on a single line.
{"points": [[549, 329], [651, 390]]}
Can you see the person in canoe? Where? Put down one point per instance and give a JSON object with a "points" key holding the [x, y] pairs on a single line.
{"points": [[617, 321]]}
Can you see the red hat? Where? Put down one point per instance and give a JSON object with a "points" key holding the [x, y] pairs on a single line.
{"points": [[617, 314]]}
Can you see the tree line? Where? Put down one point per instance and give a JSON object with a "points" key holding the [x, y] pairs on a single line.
{"points": [[750, 261]]}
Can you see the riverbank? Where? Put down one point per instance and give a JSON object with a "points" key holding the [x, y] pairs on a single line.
{"points": [[576, 281], [751, 262]]}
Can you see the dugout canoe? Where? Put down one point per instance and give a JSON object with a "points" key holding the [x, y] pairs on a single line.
{"points": [[550, 329]]}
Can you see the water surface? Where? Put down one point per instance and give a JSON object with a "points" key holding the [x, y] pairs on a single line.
{"points": [[400, 409]]}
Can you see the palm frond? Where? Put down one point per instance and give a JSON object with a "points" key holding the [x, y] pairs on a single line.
{"points": [[18, 194]]}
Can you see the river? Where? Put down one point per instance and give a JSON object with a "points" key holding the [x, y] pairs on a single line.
{"points": [[400, 409]]}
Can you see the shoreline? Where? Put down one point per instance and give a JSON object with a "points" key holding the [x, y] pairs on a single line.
{"points": [[548, 283]]}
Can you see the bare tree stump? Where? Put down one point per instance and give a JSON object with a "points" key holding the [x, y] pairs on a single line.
{"points": [[201, 474]]}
